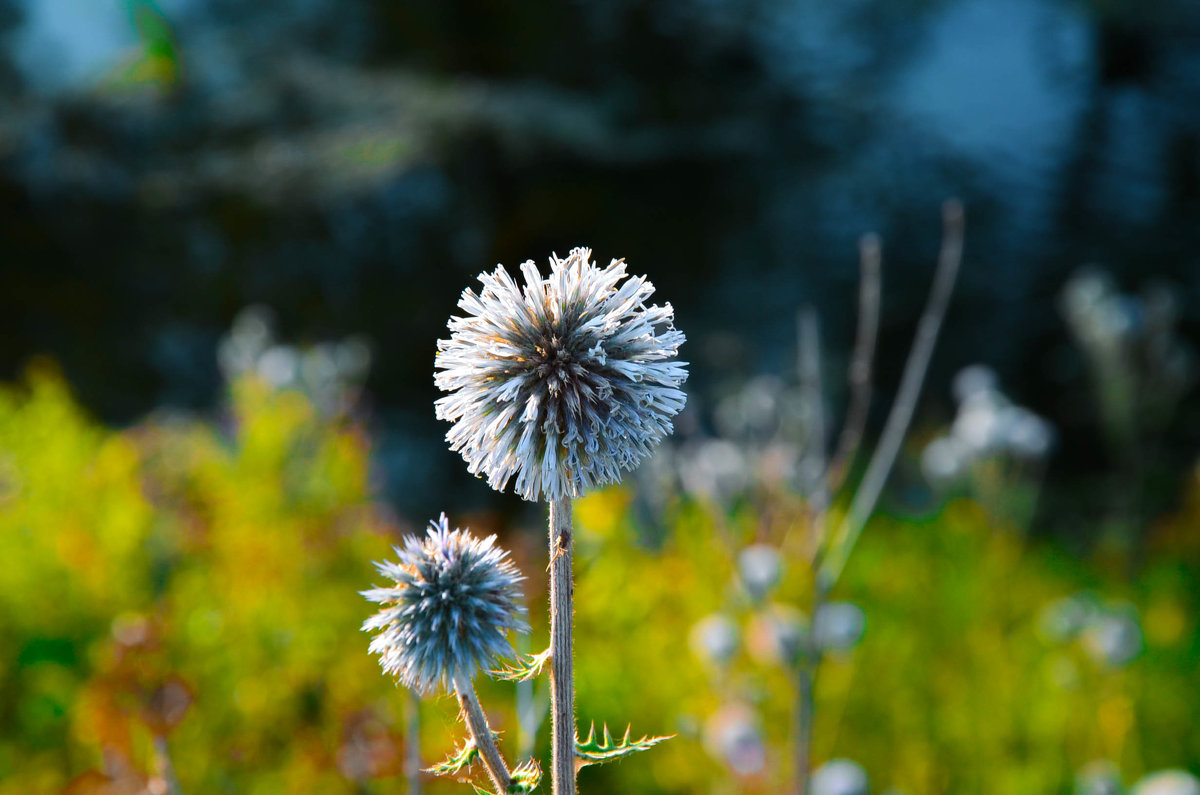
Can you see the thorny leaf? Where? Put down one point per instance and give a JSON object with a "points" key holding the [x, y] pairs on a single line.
{"points": [[523, 669], [593, 752], [525, 778], [456, 763]]}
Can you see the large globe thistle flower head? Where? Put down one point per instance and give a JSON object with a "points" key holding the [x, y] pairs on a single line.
{"points": [[455, 598], [562, 383]]}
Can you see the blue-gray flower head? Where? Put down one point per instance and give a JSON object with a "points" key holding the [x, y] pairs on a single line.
{"points": [[562, 383], [455, 597]]}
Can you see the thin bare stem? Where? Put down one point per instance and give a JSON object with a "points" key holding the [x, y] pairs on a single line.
{"points": [[165, 769], [861, 361], [562, 673], [898, 419], [481, 733], [816, 484], [412, 762], [818, 506]]}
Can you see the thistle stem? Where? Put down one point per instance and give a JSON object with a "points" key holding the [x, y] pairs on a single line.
{"points": [[562, 673], [412, 764], [482, 733]]}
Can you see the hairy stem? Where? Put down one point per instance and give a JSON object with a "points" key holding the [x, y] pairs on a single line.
{"points": [[562, 672], [482, 733], [412, 762], [911, 380]]}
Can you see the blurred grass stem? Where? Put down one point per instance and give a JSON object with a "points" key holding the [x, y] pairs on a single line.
{"points": [[562, 674]]}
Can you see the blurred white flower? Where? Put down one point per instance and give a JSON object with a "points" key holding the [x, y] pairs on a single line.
{"points": [[945, 460], [1064, 618], [977, 424], [1168, 782], [279, 365], [1113, 636], [713, 468], [251, 334], [972, 380], [1023, 433], [839, 777]]}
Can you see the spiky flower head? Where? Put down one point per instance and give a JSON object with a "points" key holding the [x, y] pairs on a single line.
{"points": [[562, 383], [455, 597]]}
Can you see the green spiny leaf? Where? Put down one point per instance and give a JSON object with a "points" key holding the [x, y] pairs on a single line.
{"points": [[526, 776], [523, 669], [456, 763], [593, 752]]}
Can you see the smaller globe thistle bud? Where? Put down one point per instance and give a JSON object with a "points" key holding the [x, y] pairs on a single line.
{"points": [[455, 597], [839, 777]]}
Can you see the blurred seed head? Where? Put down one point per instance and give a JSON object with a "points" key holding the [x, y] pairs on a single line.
{"points": [[1100, 777], [760, 567], [715, 639], [1063, 619], [838, 626], [1168, 782], [839, 777], [562, 383], [454, 600], [733, 736], [779, 634]]}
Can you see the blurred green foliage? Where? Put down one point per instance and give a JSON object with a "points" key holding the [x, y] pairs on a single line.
{"points": [[196, 579]]}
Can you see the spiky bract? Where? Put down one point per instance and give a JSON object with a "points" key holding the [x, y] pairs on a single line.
{"points": [[455, 597], [562, 383]]}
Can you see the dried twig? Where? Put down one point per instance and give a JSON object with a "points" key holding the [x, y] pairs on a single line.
{"points": [[898, 419], [861, 361]]}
